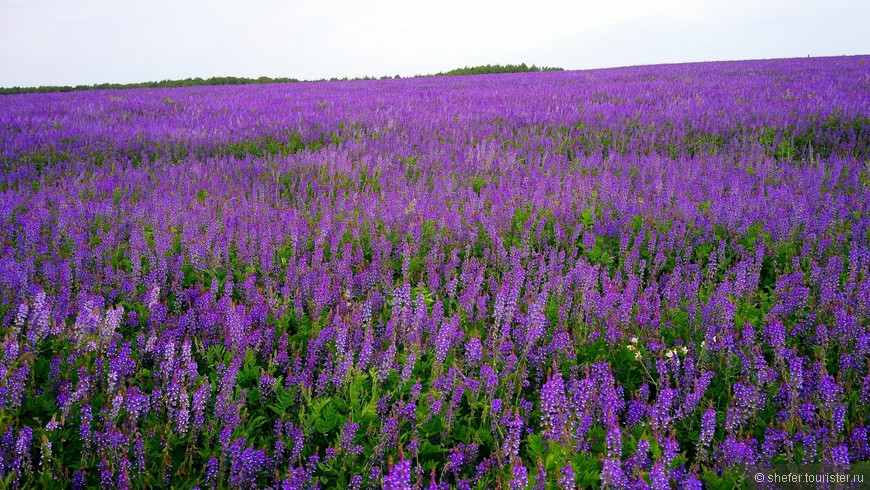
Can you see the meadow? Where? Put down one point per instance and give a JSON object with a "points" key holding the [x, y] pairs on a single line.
{"points": [[642, 277]]}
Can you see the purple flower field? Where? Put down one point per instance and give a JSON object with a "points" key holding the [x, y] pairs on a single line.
{"points": [[644, 277]]}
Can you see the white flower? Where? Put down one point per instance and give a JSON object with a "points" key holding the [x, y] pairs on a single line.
{"points": [[669, 354], [634, 340], [637, 356]]}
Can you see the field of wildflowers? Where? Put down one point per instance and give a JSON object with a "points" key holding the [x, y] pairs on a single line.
{"points": [[646, 277]]}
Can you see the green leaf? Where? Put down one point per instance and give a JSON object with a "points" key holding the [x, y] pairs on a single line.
{"points": [[428, 449], [432, 427], [535, 446]]}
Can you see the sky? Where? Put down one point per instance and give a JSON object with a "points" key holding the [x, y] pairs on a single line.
{"points": [[62, 42]]}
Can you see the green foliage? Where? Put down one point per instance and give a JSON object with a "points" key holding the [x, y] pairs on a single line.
{"points": [[490, 69], [478, 182], [187, 82]]}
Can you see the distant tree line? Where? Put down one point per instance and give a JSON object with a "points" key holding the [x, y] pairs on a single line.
{"points": [[485, 69], [190, 82], [468, 70], [187, 82]]}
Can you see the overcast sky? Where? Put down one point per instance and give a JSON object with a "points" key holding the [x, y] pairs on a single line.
{"points": [[63, 42]]}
